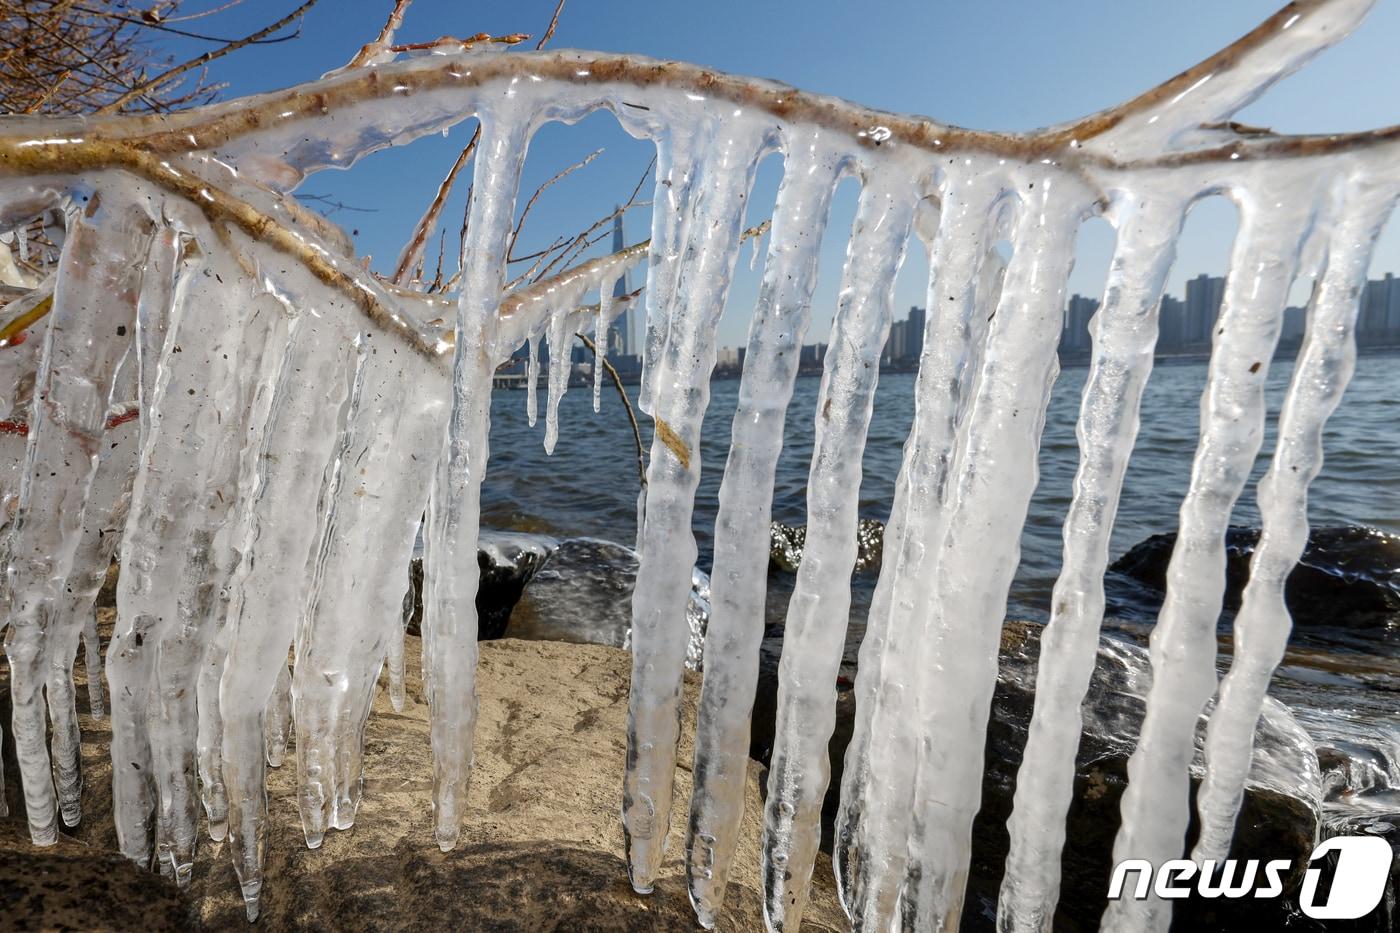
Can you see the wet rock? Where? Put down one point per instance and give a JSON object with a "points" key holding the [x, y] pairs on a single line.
{"points": [[507, 560], [583, 594], [1346, 588], [787, 541], [1279, 818]]}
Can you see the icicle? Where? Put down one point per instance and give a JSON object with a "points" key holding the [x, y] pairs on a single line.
{"points": [[394, 652], [676, 169], [601, 322], [103, 519], [315, 387], [560, 337], [1154, 806], [1125, 335], [98, 283], [680, 381], [1262, 625], [450, 570], [532, 387], [990, 491], [357, 613], [277, 719], [195, 370], [960, 300], [92, 661], [741, 530]]}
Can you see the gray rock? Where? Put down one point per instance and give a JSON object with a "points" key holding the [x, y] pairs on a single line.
{"points": [[583, 594]]}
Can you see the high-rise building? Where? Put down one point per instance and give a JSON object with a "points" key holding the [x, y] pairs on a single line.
{"points": [[620, 333], [1074, 338], [1204, 294], [1379, 319], [1171, 325]]}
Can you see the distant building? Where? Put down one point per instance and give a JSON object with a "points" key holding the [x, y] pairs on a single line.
{"points": [[730, 359], [1379, 319], [906, 341], [1171, 325], [1075, 339], [1204, 294]]}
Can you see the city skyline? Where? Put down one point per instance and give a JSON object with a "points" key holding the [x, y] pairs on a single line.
{"points": [[1185, 325]]}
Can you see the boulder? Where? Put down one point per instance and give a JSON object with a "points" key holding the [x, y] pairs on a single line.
{"points": [[1345, 590], [1279, 819], [583, 594], [507, 560], [542, 848], [787, 541]]}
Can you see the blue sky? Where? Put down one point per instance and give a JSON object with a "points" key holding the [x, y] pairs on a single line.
{"points": [[998, 64]]}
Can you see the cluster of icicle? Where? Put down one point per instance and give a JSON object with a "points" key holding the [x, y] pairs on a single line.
{"points": [[293, 407]]}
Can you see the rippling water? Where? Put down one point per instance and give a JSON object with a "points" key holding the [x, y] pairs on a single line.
{"points": [[589, 486]]}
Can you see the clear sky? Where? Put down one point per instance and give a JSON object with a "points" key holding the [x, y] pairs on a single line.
{"points": [[991, 64]]}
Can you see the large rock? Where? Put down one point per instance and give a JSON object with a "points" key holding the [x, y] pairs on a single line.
{"points": [[1346, 588], [542, 849], [507, 560], [583, 594], [1279, 818]]}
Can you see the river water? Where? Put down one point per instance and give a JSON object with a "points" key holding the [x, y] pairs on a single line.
{"points": [[1345, 690], [589, 486]]}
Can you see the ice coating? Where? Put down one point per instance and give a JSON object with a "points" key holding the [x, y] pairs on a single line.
{"points": [[1262, 625], [242, 540], [746, 496], [1124, 338], [817, 613], [1154, 806]]}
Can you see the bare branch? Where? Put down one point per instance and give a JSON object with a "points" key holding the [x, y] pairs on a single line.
{"points": [[553, 24], [413, 252], [208, 57], [515, 234]]}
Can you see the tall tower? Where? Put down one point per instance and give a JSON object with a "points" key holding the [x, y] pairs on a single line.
{"points": [[620, 334]]}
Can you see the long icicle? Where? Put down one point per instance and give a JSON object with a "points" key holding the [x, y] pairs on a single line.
{"points": [[819, 608], [1125, 336], [681, 391], [959, 237], [395, 437], [991, 489], [1263, 624], [450, 570], [96, 293], [1154, 805], [735, 628], [315, 387]]}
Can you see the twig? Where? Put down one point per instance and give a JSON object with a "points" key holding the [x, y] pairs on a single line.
{"points": [[335, 205], [515, 234], [601, 359], [386, 36], [553, 23], [207, 57], [414, 250]]}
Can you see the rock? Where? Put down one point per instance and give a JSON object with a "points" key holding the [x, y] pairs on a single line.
{"points": [[583, 594], [507, 560], [1279, 818], [1345, 589], [542, 848], [787, 541]]}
